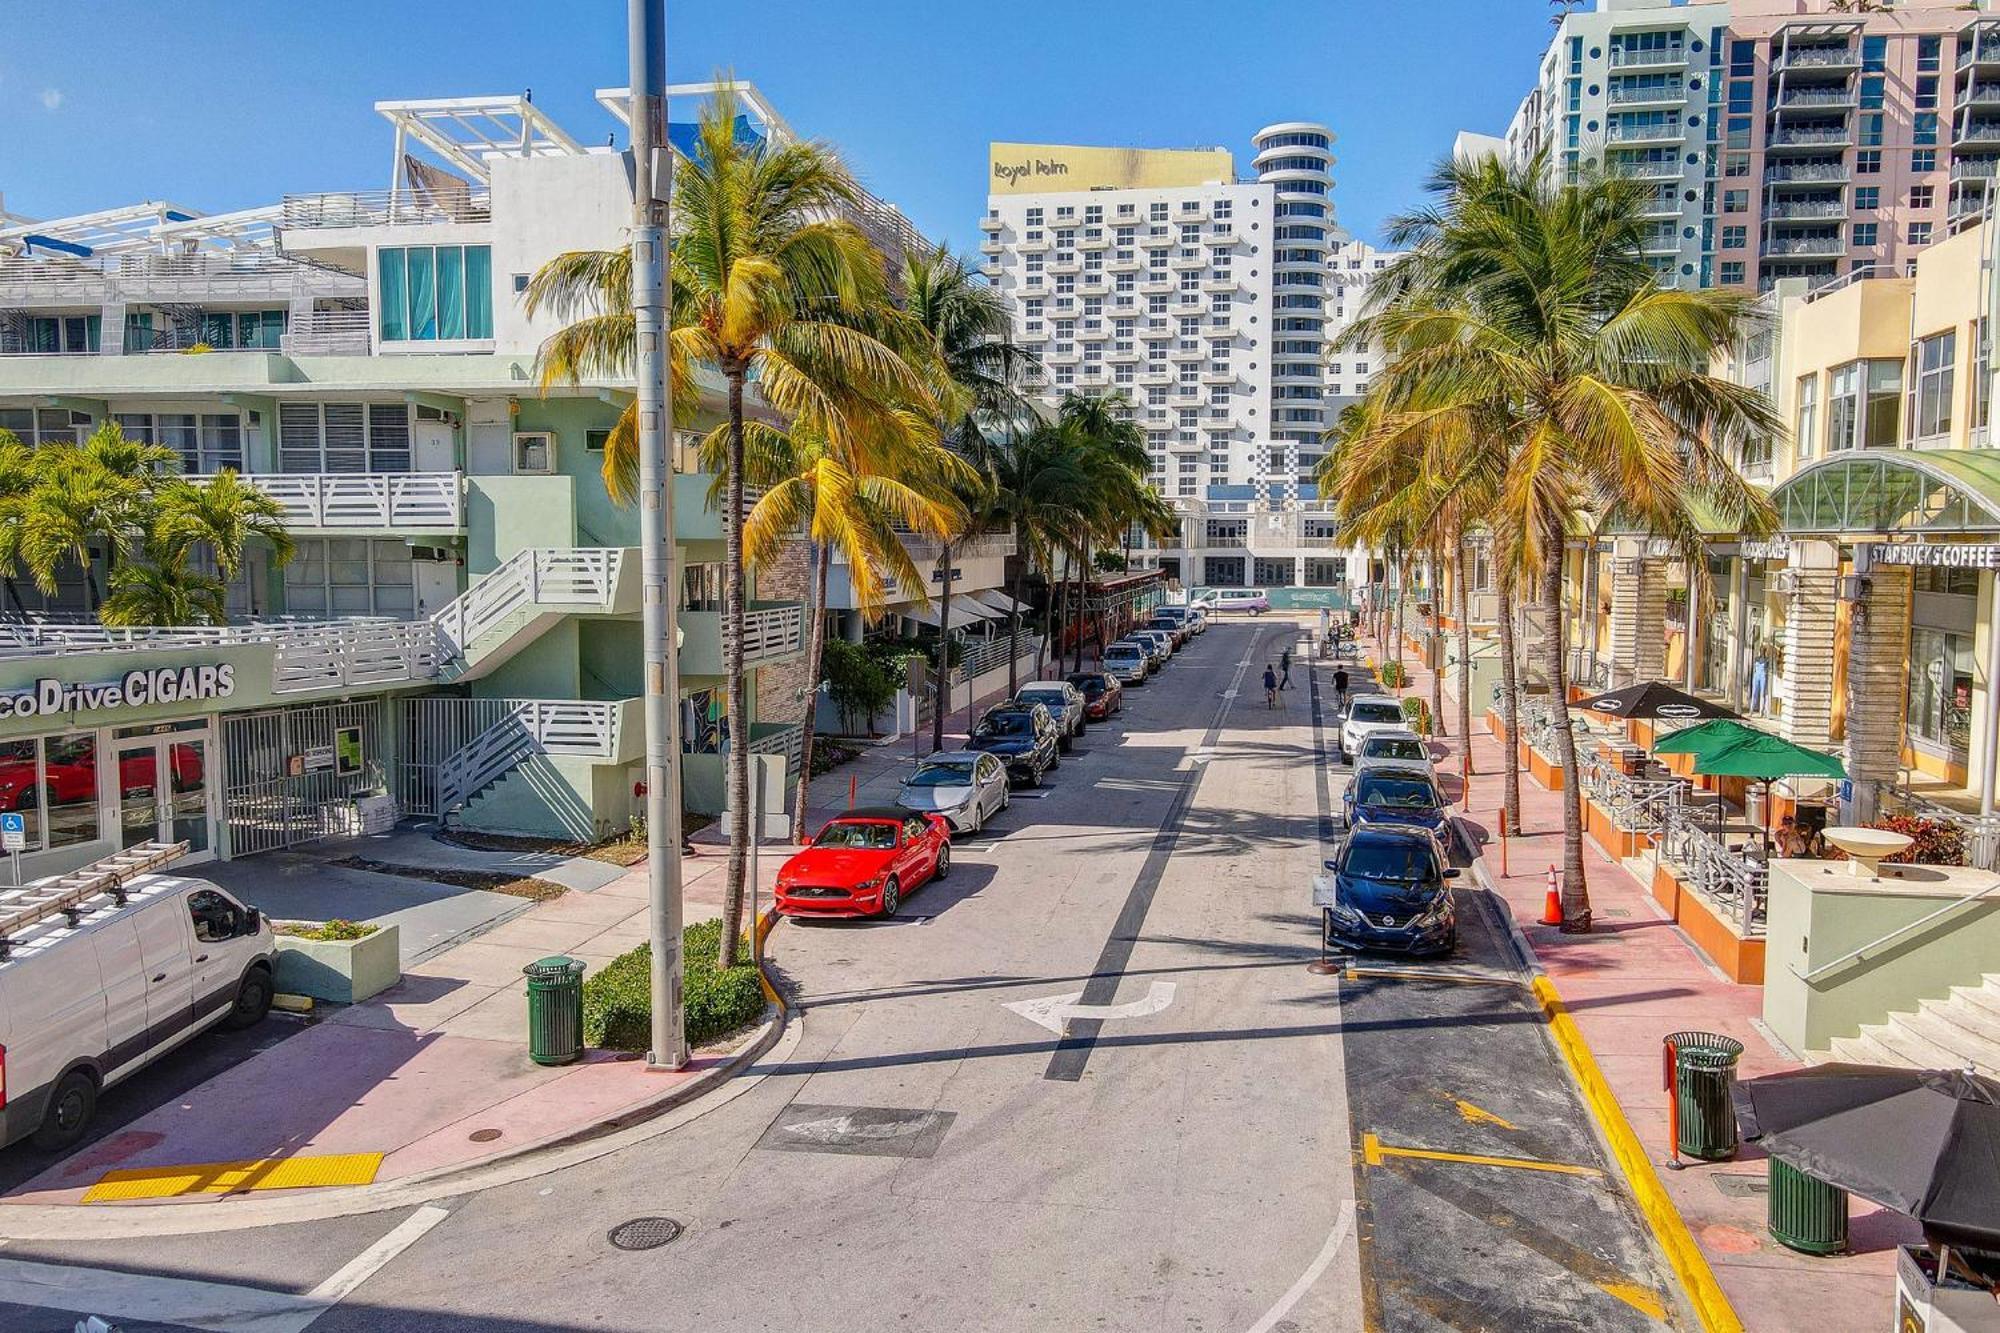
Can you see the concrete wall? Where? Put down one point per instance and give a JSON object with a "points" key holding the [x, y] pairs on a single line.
{"points": [[505, 514], [549, 667], [1819, 912], [543, 206]]}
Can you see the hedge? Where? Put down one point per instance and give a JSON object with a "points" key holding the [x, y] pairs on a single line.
{"points": [[618, 997]]}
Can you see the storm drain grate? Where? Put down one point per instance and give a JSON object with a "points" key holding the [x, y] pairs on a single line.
{"points": [[645, 1233]]}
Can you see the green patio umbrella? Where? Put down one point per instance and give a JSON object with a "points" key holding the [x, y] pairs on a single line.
{"points": [[1709, 737], [1765, 758]]}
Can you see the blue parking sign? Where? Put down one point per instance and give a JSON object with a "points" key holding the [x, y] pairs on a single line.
{"points": [[13, 832]]}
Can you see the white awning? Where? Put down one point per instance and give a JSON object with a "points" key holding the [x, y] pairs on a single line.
{"points": [[1001, 602], [964, 611]]}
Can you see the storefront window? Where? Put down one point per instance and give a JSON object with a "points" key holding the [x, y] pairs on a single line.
{"points": [[20, 786], [71, 768], [1935, 359], [1941, 688]]}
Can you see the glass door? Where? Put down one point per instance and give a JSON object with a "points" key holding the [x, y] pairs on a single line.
{"points": [[138, 792], [186, 805], [163, 793]]}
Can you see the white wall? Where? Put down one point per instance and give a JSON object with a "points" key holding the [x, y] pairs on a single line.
{"points": [[543, 206]]}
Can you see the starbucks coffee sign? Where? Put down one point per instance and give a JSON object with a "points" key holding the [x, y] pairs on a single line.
{"points": [[144, 688], [1938, 555]]}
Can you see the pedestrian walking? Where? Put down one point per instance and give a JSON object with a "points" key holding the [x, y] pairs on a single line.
{"points": [[1270, 687], [1285, 666], [1340, 688]]}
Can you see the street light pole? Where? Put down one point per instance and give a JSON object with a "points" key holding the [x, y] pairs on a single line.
{"points": [[652, 182]]}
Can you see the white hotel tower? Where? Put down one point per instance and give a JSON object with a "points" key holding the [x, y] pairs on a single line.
{"points": [[1212, 304]]}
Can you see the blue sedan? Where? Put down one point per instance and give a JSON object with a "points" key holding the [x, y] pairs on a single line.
{"points": [[1392, 892]]}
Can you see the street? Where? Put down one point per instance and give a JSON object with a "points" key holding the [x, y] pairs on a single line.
{"points": [[1085, 1083]]}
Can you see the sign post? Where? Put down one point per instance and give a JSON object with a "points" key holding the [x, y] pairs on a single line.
{"points": [[14, 839]]}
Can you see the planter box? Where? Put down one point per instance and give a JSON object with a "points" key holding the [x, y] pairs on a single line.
{"points": [[340, 971]]}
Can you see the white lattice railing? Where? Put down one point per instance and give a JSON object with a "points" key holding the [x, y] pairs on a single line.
{"points": [[424, 501], [770, 631], [581, 579], [528, 726], [328, 333], [377, 208]]}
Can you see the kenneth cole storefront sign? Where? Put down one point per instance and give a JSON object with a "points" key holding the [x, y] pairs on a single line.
{"points": [[135, 689]]}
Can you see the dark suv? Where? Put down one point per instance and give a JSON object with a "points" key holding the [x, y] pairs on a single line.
{"points": [[1024, 737]]}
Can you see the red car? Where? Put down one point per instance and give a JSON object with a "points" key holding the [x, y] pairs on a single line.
{"points": [[863, 862], [1102, 694]]}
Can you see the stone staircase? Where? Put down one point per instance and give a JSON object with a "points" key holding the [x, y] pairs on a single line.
{"points": [[1942, 1034]]}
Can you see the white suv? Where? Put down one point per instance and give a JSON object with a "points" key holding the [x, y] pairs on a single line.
{"points": [[1368, 713]]}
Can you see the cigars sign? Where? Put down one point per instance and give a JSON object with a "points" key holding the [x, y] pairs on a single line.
{"points": [[135, 689]]}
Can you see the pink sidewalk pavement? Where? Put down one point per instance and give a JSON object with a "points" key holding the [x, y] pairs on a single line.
{"points": [[1627, 984]]}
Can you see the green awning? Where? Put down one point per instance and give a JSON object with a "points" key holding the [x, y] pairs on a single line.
{"points": [[1726, 748], [1926, 491], [1707, 738]]}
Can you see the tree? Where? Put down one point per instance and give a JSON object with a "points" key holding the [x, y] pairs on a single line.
{"points": [[162, 590], [771, 282], [222, 515], [1110, 450], [1523, 311], [1037, 477]]}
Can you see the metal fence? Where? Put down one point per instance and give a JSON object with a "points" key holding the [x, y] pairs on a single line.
{"points": [[282, 779]]}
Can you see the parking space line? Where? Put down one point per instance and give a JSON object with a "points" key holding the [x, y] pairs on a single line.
{"points": [[1375, 1153]]}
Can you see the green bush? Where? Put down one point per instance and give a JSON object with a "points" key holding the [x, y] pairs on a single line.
{"points": [[1417, 713], [335, 929], [1393, 675], [856, 681], [618, 997]]}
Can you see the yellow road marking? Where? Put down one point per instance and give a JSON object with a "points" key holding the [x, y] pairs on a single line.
{"points": [[1639, 1298], [1704, 1293], [264, 1173], [1374, 1152], [1479, 1115]]}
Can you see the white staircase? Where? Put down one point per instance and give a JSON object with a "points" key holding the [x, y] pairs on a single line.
{"points": [[503, 612], [583, 728], [1942, 1034]]}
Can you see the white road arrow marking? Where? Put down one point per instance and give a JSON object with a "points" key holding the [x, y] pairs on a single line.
{"points": [[1054, 1012], [838, 1127]]}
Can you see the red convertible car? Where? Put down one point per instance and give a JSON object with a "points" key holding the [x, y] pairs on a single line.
{"points": [[863, 862]]}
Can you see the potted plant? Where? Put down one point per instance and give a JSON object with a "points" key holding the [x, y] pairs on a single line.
{"points": [[344, 962]]}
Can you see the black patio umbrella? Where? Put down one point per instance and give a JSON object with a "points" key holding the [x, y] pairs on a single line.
{"points": [[1924, 1142], [1654, 698]]}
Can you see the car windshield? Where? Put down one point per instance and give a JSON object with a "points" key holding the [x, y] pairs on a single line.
{"points": [[1005, 724], [1394, 747], [942, 775], [872, 837], [1092, 686], [1053, 698], [1367, 712], [1395, 792], [1124, 651], [1405, 861]]}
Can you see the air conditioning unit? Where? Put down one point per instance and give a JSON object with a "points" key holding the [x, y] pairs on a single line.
{"points": [[534, 452], [1788, 582]]}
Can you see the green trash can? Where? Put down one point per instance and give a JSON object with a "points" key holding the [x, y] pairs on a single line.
{"points": [[555, 1010], [1701, 1070], [1804, 1213]]}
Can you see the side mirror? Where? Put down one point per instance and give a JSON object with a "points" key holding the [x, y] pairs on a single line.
{"points": [[1451, 872], [253, 920], [1333, 865]]}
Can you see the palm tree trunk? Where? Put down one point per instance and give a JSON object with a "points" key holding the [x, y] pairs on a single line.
{"points": [[815, 650], [1575, 892], [1082, 600], [1510, 708], [739, 703], [1014, 620], [1464, 650], [1436, 638], [1058, 584], [1396, 634], [14, 596], [941, 702]]}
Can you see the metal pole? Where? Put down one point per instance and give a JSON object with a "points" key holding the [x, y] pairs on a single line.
{"points": [[652, 181], [1992, 757]]}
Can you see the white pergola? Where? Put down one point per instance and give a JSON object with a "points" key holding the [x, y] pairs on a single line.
{"points": [[468, 132], [86, 234], [618, 101]]}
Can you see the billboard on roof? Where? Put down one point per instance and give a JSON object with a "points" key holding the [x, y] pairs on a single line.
{"points": [[1041, 168]]}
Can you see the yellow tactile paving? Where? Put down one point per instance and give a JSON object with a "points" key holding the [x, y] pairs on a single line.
{"points": [[264, 1173]]}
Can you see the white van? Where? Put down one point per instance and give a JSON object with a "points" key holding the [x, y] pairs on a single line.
{"points": [[97, 980]]}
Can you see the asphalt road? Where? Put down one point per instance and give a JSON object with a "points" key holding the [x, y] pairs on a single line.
{"points": [[1219, 1144]]}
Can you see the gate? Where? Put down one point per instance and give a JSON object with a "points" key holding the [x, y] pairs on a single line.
{"points": [[268, 806]]}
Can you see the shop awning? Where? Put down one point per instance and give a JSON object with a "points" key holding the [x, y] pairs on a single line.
{"points": [[964, 611], [1913, 491], [1001, 602]]}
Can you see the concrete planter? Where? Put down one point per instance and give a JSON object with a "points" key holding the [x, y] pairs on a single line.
{"points": [[342, 971]]}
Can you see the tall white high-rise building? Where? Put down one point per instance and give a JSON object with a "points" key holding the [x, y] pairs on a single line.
{"points": [[1211, 303]]}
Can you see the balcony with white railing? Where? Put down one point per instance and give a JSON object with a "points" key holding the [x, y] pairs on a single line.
{"points": [[432, 502], [771, 633], [328, 333], [1636, 58], [401, 207]]}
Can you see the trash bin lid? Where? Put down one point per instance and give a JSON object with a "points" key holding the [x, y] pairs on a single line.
{"points": [[1704, 1049], [554, 966]]}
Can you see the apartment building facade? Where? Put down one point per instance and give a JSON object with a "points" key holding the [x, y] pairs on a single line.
{"points": [[458, 629], [1211, 303]]}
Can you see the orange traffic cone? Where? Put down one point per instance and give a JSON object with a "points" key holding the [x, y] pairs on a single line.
{"points": [[1552, 907]]}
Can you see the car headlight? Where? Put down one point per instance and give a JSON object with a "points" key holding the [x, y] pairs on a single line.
{"points": [[1347, 916], [870, 884], [1438, 911]]}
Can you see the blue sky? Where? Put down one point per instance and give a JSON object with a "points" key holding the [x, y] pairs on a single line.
{"points": [[219, 106]]}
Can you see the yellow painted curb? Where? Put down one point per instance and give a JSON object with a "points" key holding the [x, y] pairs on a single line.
{"points": [[766, 921], [1697, 1279], [292, 1004]]}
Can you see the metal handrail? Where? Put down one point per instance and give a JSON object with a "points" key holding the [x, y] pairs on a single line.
{"points": [[1909, 928]]}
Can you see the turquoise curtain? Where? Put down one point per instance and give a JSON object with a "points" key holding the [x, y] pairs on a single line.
{"points": [[139, 332], [451, 292], [395, 321], [423, 293], [478, 291]]}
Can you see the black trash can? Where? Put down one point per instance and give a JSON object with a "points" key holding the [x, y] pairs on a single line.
{"points": [[1804, 1213], [555, 1010], [1702, 1070]]}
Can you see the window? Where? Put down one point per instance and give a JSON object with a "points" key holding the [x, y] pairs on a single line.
{"points": [[343, 437], [1871, 129], [1735, 238], [207, 442], [1924, 128], [1868, 162], [1923, 160], [1982, 375], [1805, 419], [1919, 233], [1864, 234], [1871, 92], [1929, 53], [1936, 362], [1732, 273], [1941, 688], [1735, 201], [1927, 93], [350, 577], [1864, 405], [435, 293], [1867, 198], [1922, 196]]}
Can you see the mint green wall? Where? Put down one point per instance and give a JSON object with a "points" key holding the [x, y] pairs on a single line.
{"points": [[613, 658], [598, 521], [544, 669], [548, 796], [505, 514]]}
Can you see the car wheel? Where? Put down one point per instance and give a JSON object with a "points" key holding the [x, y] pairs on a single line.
{"points": [[1034, 778], [26, 798], [943, 866], [70, 1108], [1055, 756], [1006, 800], [892, 897], [978, 820], [253, 1000]]}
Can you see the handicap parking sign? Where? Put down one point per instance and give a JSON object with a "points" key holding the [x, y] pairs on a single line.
{"points": [[13, 832]]}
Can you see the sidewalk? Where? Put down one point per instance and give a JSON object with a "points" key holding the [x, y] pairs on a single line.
{"points": [[433, 1073], [1627, 984]]}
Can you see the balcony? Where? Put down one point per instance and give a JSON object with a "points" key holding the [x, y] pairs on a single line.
{"points": [[1816, 98], [432, 502], [384, 208], [992, 245], [1979, 132], [1642, 94], [1818, 138], [1218, 282], [1033, 245], [1645, 169], [1101, 240], [991, 222], [1975, 169], [1807, 246], [1806, 174], [1218, 375], [771, 633], [1127, 264], [1159, 238], [1829, 58], [1979, 47], [1157, 286], [1187, 262], [1632, 58], [1802, 210], [1065, 263]]}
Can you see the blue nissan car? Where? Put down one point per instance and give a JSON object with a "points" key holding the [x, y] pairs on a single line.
{"points": [[1392, 892], [1396, 795]]}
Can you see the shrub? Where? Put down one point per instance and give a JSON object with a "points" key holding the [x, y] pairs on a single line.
{"points": [[856, 682], [1393, 675], [335, 929], [618, 997], [1417, 713], [1937, 842]]}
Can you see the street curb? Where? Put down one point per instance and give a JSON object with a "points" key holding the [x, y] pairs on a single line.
{"points": [[64, 1222], [1670, 1230]]}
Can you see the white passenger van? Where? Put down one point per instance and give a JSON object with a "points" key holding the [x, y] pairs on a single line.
{"points": [[105, 970]]}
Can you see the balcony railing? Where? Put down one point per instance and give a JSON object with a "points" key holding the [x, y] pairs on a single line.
{"points": [[408, 501], [1807, 172], [1807, 245], [1625, 94], [1818, 138], [1817, 57], [328, 333], [1816, 97], [385, 208], [1978, 132], [309, 654], [1619, 133], [1623, 58], [1732, 878], [1812, 208]]}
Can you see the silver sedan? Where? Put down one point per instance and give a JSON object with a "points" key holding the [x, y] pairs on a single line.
{"points": [[967, 787]]}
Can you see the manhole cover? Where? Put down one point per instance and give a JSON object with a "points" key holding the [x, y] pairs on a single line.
{"points": [[1615, 913], [483, 1135], [645, 1233]]}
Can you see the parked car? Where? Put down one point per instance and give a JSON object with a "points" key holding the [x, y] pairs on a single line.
{"points": [[863, 862], [967, 787], [1065, 704], [1023, 737], [1155, 659], [1171, 627], [1368, 713], [85, 1004], [1192, 618], [1393, 746], [1162, 642], [1401, 794], [1127, 663], [1392, 891], [1102, 694], [1254, 600]]}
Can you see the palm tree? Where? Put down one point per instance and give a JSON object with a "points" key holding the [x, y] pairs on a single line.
{"points": [[72, 510], [1111, 451], [163, 590], [770, 282], [1524, 310], [17, 475], [1037, 477], [223, 515]]}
